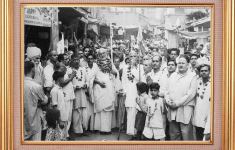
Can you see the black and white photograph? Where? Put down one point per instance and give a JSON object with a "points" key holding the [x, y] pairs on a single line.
{"points": [[117, 73]]}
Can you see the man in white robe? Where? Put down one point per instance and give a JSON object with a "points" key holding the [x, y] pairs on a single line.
{"points": [[131, 75]]}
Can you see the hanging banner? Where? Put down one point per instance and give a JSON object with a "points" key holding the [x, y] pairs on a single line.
{"points": [[37, 17], [93, 27], [139, 35]]}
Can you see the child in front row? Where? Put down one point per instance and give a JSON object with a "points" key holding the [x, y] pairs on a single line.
{"points": [[58, 101], [142, 89], [54, 132], [154, 124]]}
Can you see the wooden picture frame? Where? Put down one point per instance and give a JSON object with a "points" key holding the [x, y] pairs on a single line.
{"points": [[7, 85]]}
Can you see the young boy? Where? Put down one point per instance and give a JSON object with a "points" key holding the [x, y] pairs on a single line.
{"points": [[54, 133], [58, 99], [154, 128], [142, 89]]}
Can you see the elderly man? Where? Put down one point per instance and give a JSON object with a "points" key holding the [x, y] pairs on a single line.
{"points": [[49, 70], [131, 75], [34, 55], [34, 97], [180, 97]]}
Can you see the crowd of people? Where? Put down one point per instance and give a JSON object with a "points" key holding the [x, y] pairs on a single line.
{"points": [[150, 94]]}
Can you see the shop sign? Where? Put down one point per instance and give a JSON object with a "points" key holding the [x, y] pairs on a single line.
{"points": [[37, 17]]}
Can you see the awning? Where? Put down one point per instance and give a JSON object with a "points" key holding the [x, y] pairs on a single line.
{"points": [[194, 35], [201, 21], [67, 14]]}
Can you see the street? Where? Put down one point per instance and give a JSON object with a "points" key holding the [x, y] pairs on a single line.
{"points": [[98, 137]]}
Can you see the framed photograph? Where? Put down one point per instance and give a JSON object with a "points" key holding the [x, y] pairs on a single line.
{"points": [[103, 75]]}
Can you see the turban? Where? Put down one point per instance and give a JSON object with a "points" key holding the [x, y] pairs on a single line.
{"points": [[33, 51]]}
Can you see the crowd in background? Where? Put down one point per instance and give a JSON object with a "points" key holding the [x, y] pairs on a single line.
{"points": [[147, 91]]}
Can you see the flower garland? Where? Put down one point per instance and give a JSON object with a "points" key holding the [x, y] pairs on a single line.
{"points": [[81, 75], [202, 88], [130, 76]]}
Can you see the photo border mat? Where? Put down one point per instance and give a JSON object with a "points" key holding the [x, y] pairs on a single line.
{"points": [[211, 6]]}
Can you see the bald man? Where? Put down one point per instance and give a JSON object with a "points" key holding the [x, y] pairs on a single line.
{"points": [[49, 70]]}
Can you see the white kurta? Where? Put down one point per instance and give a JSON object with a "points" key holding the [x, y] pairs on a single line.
{"points": [[90, 76], [182, 90], [104, 97], [130, 89], [154, 124], [48, 72], [130, 86], [104, 102], [80, 117], [57, 97], [202, 107]]}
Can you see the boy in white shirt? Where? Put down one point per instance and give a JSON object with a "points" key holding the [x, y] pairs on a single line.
{"points": [[58, 100], [154, 124]]}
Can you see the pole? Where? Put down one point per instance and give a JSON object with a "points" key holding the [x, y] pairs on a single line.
{"points": [[111, 42], [139, 39], [51, 32], [139, 62]]}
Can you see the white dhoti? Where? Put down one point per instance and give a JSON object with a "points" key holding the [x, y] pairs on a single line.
{"points": [[77, 121], [114, 119], [90, 116], [68, 108], [131, 114], [85, 118], [103, 121]]}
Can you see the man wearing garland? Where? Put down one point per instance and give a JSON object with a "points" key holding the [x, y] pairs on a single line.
{"points": [[131, 75], [202, 107]]}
